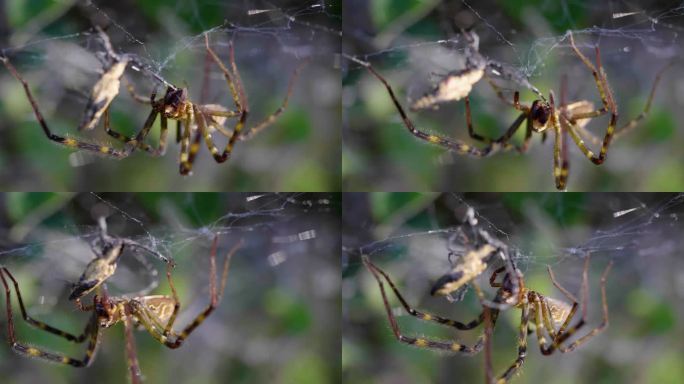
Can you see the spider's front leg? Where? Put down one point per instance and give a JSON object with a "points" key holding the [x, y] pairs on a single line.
{"points": [[425, 342], [608, 102], [522, 344], [561, 165], [165, 333], [91, 331]]}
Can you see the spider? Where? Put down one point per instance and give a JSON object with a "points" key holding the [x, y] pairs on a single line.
{"points": [[156, 314], [193, 120], [551, 317], [541, 115]]}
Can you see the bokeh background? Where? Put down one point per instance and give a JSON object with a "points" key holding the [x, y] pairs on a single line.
{"points": [[406, 235], [405, 42], [278, 320], [52, 45]]}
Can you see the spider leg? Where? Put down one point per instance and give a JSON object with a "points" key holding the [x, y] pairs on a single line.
{"points": [[185, 163], [560, 287], [131, 355], [420, 315], [499, 93], [608, 104], [522, 344], [528, 136], [450, 144], [177, 338], [517, 281], [560, 172], [424, 342], [91, 331], [208, 139], [627, 127], [604, 323], [503, 139], [237, 91], [137, 97], [253, 131], [65, 141], [194, 147]]}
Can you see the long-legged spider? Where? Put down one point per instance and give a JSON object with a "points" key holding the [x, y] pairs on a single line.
{"points": [[551, 317], [198, 119], [539, 116], [156, 313]]}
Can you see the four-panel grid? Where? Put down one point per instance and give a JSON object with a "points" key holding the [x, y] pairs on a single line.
{"points": [[347, 191]]}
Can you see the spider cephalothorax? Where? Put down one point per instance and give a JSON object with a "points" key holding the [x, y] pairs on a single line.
{"points": [[175, 103], [540, 112]]}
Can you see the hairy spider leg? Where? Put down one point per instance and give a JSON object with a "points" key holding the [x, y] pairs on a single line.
{"points": [[560, 161], [91, 331], [232, 78], [131, 354], [234, 81], [167, 335], [65, 141], [522, 344], [628, 126], [543, 320], [457, 146], [563, 335], [608, 105], [269, 120], [426, 342]]}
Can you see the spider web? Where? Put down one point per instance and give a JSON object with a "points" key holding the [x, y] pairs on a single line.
{"points": [[58, 55], [620, 226], [288, 243], [414, 46]]}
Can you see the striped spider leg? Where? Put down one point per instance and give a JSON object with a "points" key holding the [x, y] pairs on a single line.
{"points": [[421, 342], [156, 313], [480, 252], [551, 317]]}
